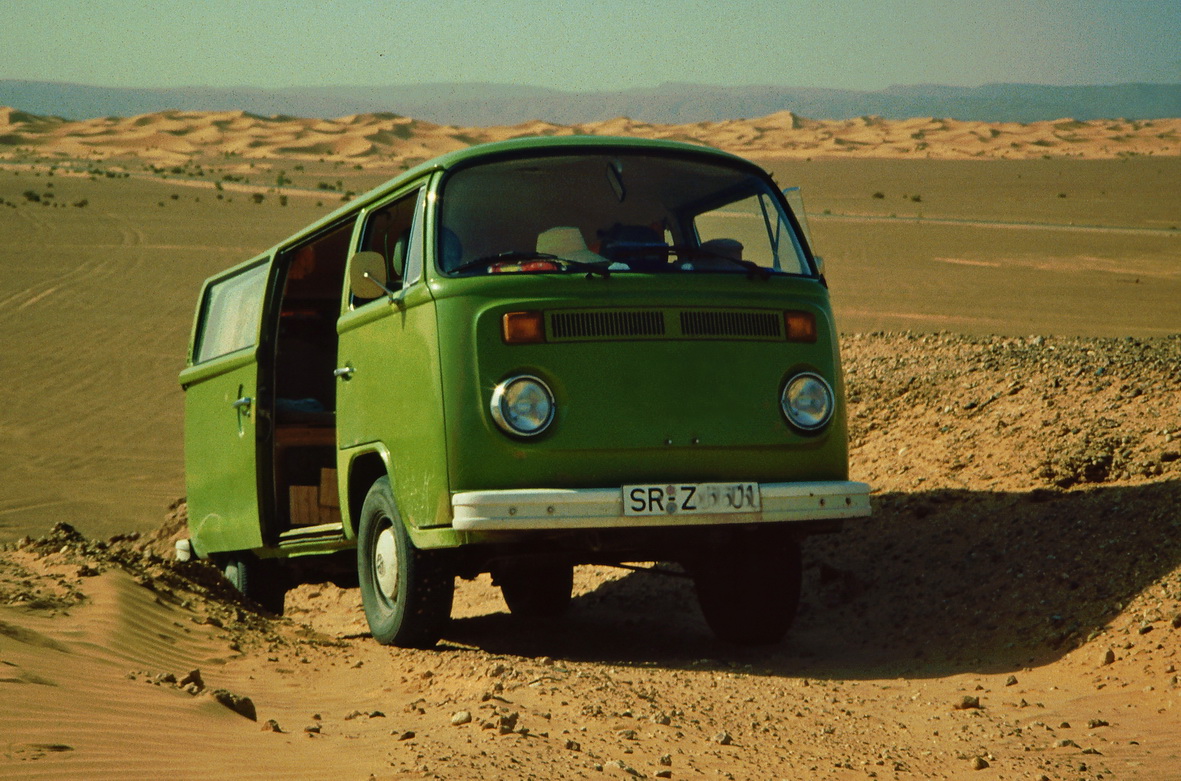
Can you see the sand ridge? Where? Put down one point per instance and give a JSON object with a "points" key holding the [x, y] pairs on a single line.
{"points": [[175, 136], [1011, 611]]}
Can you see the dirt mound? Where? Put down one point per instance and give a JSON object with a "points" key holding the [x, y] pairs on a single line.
{"points": [[1013, 607]]}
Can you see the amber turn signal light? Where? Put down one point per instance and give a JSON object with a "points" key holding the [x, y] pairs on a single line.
{"points": [[801, 326], [523, 327]]}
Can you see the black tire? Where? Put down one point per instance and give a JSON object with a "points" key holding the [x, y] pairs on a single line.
{"points": [[406, 592], [261, 580], [537, 591], [749, 590]]}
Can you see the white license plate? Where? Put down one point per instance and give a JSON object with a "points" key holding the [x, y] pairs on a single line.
{"points": [[691, 498]]}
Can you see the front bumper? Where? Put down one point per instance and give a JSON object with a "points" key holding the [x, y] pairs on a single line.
{"points": [[526, 509]]}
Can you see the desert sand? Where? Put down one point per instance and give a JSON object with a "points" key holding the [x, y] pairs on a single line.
{"points": [[175, 136], [1012, 610]]}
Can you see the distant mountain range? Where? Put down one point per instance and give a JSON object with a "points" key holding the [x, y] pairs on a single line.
{"points": [[673, 103]]}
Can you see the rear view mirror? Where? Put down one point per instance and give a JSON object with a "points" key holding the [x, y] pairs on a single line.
{"points": [[367, 275]]}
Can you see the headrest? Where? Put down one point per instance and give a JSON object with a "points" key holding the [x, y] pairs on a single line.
{"points": [[567, 242]]}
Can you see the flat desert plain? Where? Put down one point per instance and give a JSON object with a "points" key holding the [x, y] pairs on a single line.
{"points": [[1010, 301]]}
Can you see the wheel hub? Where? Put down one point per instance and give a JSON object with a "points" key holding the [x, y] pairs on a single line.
{"points": [[385, 563]]}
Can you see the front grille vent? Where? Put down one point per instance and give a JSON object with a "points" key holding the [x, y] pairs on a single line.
{"points": [[723, 323], [597, 325]]}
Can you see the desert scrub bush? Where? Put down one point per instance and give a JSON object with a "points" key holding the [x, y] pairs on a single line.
{"points": [[258, 197], [32, 196], [879, 195]]}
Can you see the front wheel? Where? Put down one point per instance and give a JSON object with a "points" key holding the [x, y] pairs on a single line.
{"points": [[749, 590], [406, 592]]}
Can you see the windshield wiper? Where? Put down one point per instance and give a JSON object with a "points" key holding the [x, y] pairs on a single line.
{"points": [[509, 256]]}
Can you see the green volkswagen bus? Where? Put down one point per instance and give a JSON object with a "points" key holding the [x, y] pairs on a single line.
{"points": [[514, 359]]}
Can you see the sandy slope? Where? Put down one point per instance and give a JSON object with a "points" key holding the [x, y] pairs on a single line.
{"points": [[1024, 553], [175, 136], [1024, 549]]}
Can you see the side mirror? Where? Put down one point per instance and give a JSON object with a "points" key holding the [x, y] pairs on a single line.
{"points": [[367, 275]]}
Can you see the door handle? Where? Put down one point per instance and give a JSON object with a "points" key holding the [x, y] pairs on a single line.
{"points": [[243, 405], [344, 372]]}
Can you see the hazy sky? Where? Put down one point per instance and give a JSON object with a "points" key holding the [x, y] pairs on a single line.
{"points": [[599, 44]]}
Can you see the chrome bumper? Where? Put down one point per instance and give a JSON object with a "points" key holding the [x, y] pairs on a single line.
{"points": [[602, 508]]}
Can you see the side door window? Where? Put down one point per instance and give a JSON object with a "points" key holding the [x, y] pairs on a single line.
{"points": [[758, 225], [393, 231], [230, 314]]}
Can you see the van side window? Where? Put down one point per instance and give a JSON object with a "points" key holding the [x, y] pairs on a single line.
{"points": [[229, 319], [390, 231]]}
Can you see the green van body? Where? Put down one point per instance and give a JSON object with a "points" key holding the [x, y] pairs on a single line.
{"points": [[655, 378]]}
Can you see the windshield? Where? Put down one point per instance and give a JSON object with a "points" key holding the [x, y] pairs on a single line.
{"points": [[614, 213]]}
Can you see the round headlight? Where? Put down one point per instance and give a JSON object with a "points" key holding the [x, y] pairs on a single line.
{"points": [[807, 401], [522, 406]]}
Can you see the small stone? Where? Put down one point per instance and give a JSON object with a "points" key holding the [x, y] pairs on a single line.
{"points": [[1064, 725], [243, 706], [1011, 680], [1095, 723], [662, 718], [666, 760], [406, 735], [271, 726], [1066, 743], [376, 714], [1177, 621], [573, 745], [627, 734], [967, 702], [352, 715], [507, 723], [461, 717], [193, 677], [979, 763], [1109, 657], [165, 678], [664, 773], [1091, 751], [619, 763], [312, 729], [723, 738]]}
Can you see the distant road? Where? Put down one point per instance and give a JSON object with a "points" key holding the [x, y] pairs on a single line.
{"points": [[995, 224]]}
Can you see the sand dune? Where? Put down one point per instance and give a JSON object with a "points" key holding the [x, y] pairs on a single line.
{"points": [[1024, 548], [1000, 617], [175, 136]]}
